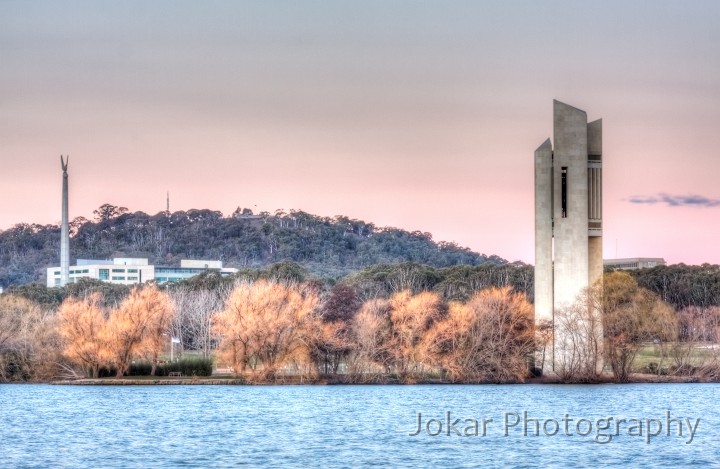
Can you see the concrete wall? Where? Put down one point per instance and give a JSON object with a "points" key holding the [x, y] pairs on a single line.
{"points": [[543, 233], [595, 260], [571, 231], [594, 138], [595, 254]]}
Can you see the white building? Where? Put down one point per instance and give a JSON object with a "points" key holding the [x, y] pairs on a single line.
{"points": [[131, 271], [633, 263]]}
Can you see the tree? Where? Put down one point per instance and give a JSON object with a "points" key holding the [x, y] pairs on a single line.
{"points": [[108, 294], [265, 324], [128, 325], [11, 309], [194, 309], [81, 324], [159, 310], [342, 304], [238, 213], [28, 343], [682, 285], [632, 316], [489, 338], [578, 337], [543, 339], [411, 317], [75, 224], [107, 212], [370, 336], [332, 342], [49, 298]]}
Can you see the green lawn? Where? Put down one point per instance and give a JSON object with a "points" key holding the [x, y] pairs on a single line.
{"points": [[700, 354]]}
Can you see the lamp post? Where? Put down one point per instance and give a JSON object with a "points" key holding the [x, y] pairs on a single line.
{"points": [[173, 341]]}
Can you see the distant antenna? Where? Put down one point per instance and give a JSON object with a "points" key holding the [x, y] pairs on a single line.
{"points": [[168, 202]]}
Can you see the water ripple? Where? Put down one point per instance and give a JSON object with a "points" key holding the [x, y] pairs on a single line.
{"points": [[45, 426]]}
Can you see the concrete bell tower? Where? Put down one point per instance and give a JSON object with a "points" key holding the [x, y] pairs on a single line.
{"points": [[568, 211]]}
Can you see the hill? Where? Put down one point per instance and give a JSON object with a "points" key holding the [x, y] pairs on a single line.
{"points": [[327, 247]]}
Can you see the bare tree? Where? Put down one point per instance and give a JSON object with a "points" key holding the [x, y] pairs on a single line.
{"points": [[578, 340], [696, 349], [193, 320], [405, 278], [543, 339]]}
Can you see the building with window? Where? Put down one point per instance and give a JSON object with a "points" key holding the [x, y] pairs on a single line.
{"points": [[633, 263], [131, 271]]}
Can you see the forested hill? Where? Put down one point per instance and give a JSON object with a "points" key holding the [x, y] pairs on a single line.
{"points": [[328, 247]]}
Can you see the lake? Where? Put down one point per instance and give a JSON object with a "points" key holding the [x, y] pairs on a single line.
{"points": [[47, 426]]}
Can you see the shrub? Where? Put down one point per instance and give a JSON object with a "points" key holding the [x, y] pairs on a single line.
{"points": [[107, 372], [187, 366]]}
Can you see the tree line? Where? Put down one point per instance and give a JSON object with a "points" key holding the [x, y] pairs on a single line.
{"points": [[681, 285], [452, 283], [265, 328], [405, 324], [327, 247]]}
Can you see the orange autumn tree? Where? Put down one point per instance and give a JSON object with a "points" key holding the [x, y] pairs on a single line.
{"points": [[28, 342], [411, 317], [136, 326], [81, 325], [489, 338], [265, 324], [392, 335], [160, 312], [370, 332]]}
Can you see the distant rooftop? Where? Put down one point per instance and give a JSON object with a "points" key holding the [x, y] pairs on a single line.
{"points": [[94, 262], [631, 263]]}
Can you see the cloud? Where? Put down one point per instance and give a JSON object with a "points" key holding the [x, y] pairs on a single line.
{"points": [[675, 200]]}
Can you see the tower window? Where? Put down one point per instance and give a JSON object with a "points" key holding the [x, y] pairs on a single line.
{"points": [[563, 191]]}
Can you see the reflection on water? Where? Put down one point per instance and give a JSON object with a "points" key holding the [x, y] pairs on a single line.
{"points": [[356, 426]]}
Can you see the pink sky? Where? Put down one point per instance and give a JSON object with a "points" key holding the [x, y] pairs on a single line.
{"points": [[416, 116]]}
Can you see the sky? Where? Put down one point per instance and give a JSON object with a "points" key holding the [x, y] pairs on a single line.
{"points": [[418, 115]]}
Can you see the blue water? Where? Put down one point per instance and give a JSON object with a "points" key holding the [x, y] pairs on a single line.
{"points": [[352, 426]]}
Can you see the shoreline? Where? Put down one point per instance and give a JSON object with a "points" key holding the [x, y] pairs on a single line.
{"points": [[232, 381]]}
